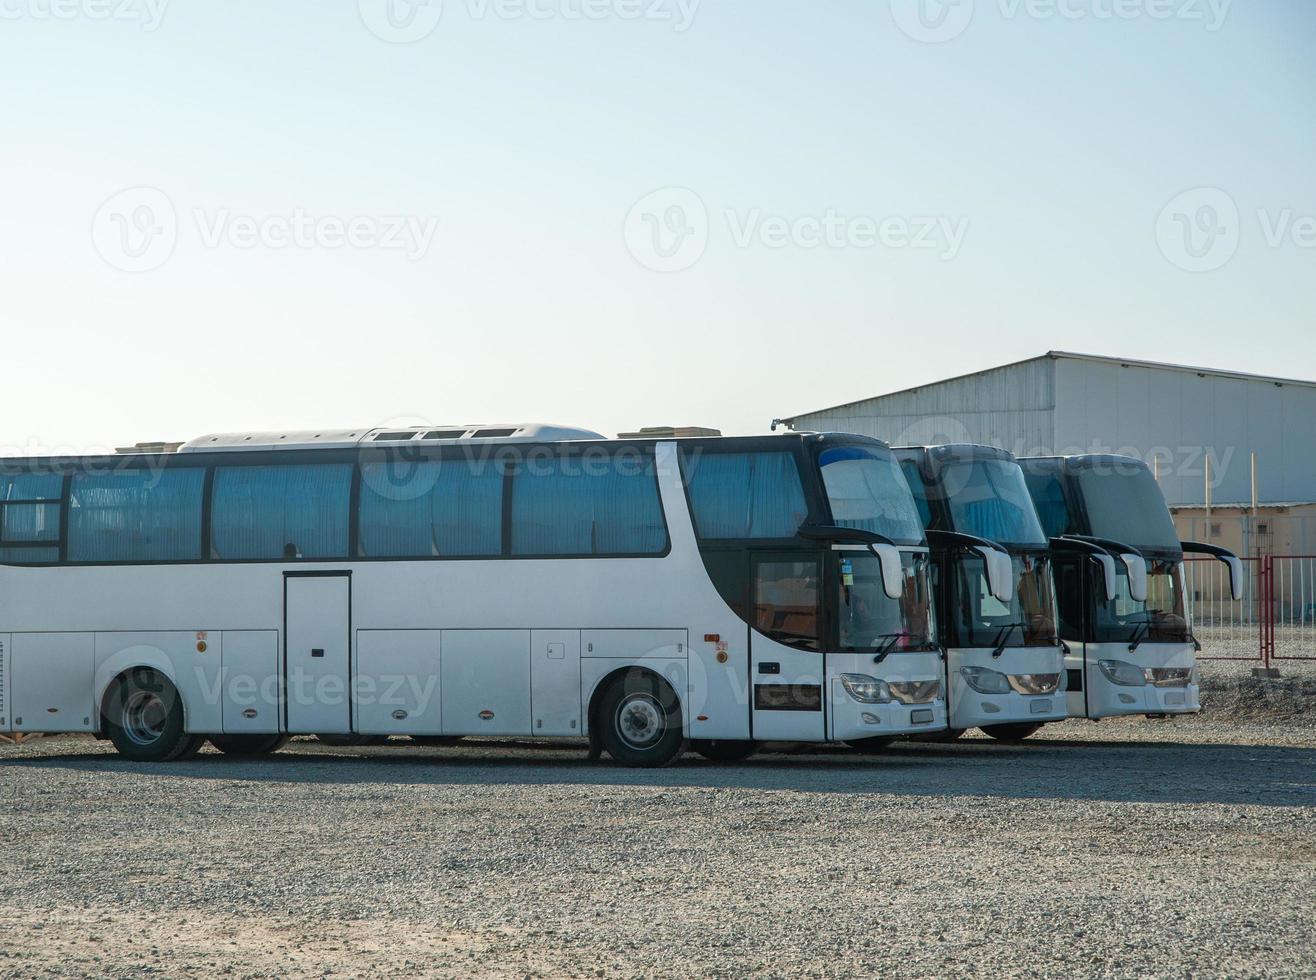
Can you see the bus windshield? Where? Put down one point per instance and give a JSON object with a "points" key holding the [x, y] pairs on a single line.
{"points": [[1124, 503], [868, 492], [980, 620], [988, 498], [870, 620], [1161, 619]]}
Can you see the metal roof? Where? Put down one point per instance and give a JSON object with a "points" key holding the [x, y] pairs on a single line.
{"points": [[1057, 355]]}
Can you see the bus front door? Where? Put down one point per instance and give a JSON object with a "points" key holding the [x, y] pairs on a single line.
{"points": [[317, 640], [786, 659]]}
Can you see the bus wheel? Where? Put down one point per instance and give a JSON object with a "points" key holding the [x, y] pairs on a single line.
{"points": [[724, 750], [351, 741], [1011, 733], [872, 745], [640, 721], [248, 744], [144, 718]]}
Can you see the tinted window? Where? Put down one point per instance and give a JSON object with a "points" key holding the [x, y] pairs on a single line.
{"points": [[29, 515], [919, 489], [869, 492], [281, 511], [786, 597], [1124, 503], [1049, 501], [988, 498], [136, 515], [436, 508], [745, 495], [590, 505]]}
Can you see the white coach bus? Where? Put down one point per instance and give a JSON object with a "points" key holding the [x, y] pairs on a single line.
{"points": [[519, 580], [995, 596], [1124, 618]]}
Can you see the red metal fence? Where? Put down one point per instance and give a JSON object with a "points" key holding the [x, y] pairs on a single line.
{"points": [[1275, 620]]}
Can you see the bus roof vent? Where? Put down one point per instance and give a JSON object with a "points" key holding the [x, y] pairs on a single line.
{"points": [[347, 438], [671, 432]]}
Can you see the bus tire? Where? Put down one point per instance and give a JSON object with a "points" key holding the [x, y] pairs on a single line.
{"points": [[949, 735], [872, 746], [723, 749], [640, 721], [352, 741], [248, 744], [143, 717], [1011, 733]]}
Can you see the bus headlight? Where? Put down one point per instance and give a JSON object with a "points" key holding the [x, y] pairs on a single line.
{"points": [[916, 692], [865, 689], [1169, 676], [1034, 683], [1122, 673], [985, 681]]}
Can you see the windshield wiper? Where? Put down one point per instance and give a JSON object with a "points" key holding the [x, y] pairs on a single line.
{"points": [[890, 641], [1138, 636], [1003, 637]]}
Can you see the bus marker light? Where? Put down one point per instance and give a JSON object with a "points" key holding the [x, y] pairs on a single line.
{"points": [[486, 714], [400, 715], [921, 716], [712, 637], [249, 713], [702, 718], [722, 656], [200, 646]]}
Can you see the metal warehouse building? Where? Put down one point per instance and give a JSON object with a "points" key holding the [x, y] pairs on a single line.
{"points": [[1183, 421]]}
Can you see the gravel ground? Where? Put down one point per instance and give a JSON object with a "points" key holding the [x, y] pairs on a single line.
{"points": [[1129, 847]]}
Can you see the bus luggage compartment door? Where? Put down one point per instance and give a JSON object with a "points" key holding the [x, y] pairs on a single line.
{"points": [[316, 660]]}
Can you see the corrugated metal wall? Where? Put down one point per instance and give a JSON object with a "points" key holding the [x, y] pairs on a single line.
{"points": [[1011, 407], [1072, 405], [1181, 417]]}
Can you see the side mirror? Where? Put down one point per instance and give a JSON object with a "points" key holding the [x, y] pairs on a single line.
{"points": [[1137, 576], [1000, 573], [893, 572], [1107, 564], [1235, 566]]}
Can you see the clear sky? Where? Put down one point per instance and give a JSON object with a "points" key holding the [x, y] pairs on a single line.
{"points": [[615, 213]]}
